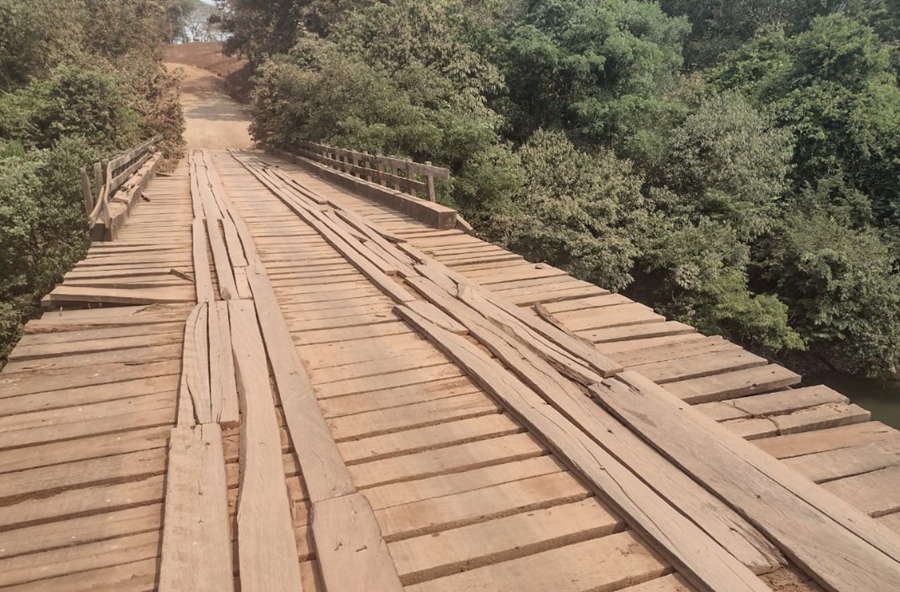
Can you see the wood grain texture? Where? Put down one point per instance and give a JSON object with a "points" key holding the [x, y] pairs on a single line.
{"points": [[841, 548], [351, 550], [267, 550], [714, 517], [695, 554], [224, 407], [196, 549]]}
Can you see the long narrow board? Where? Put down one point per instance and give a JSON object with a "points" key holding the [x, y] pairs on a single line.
{"points": [[267, 549], [224, 405], [196, 547], [352, 553], [841, 548], [714, 517], [694, 553]]}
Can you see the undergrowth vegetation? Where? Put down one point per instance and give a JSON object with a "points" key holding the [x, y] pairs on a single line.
{"points": [[734, 167], [80, 80]]}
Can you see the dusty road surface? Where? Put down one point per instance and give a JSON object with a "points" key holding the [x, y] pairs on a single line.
{"points": [[213, 119]]}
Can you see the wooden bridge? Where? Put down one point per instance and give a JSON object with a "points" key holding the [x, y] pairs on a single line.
{"points": [[286, 377]]}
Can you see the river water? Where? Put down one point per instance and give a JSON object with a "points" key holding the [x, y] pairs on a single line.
{"points": [[881, 397]]}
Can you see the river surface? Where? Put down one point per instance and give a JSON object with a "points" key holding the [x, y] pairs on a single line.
{"points": [[881, 397]]}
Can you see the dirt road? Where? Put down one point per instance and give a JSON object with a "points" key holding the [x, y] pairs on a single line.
{"points": [[213, 119]]}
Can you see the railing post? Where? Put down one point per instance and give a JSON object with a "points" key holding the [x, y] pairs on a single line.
{"points": [[409, 178], [86, 190], [98, 179], [430, 179]]}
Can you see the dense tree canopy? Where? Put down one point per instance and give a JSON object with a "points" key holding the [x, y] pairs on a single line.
{"points": [[76, 84], [732, 164]]}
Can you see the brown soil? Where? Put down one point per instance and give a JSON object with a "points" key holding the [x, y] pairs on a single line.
{"points": [[234, 72], [213, 119]]}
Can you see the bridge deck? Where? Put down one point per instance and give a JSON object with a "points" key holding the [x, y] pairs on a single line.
{"points": [[467, 494]]}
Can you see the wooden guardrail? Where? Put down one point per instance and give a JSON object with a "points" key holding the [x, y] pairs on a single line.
{"points": [[404, 175], [111, 176]]}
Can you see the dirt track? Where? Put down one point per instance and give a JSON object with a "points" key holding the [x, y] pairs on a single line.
{"points": [[213, 119]]}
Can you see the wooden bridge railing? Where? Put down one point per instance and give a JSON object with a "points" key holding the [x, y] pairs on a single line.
{"points": [[109, 177], [404, 175]]}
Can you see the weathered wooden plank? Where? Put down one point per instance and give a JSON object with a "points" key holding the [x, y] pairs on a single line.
{"points": [[225, 408], [710, 514], [470, 547], [267, 550], [823, 440], [196, 361], [846, 462], [351, 551], [196, 548], [696, 555], [62, 295], [202, 276], [874, 493], [224, 272], [835, 544], [416, 440], [605, 563], [730, 385], [804, 420], [35, 568]]}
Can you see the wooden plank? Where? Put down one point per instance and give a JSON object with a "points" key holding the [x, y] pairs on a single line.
{"points": [[874, 493], [693, 552], [196, 548], [838, 546], [698, 366], [351, 551], [526, 325], [804, 420], [224, 273], [452, 459], [429, 437], [824, 440], [62, 295], [846, 462], [267, 550], [606, 563], [373, 423], [730, 385], [470, 547], [225, 408], [202, 276], [36, 567], [324, 471], [711, 515], [344, 247], [196, 362]]}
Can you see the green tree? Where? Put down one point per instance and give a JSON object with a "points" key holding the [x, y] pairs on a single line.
{"points": [[582, 212], [597, 69], [728, 161], [834, 87], [842, 289]]}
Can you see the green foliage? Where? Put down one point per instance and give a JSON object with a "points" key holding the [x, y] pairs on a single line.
{"points": [[732, 164], [727, 161], [581, 212], [595, 69], [833, 86], [394, 79], [79, 80], [842, 289]]}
